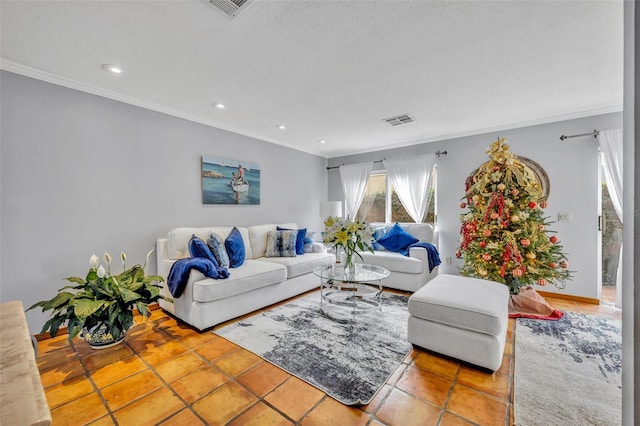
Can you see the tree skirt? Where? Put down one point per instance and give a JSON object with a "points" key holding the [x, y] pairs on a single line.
{"points": [[568, 372], [349, 361], [529, 304]]}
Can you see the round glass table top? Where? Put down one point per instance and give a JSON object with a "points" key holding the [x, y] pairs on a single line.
{"points": [[364, 272]]}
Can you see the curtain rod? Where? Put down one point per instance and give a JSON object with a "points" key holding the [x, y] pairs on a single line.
{"points": [[595, 134], [437, 153]]}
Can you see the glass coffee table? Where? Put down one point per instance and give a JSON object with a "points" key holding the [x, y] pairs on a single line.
{"points": [[343, 299]]}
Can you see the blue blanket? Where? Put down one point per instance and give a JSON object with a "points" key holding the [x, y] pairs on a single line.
{"points": [[432, 254], [180, 270]]}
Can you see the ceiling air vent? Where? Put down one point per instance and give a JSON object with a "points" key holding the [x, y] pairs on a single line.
{"points": [[399, 119], [230, 8]]}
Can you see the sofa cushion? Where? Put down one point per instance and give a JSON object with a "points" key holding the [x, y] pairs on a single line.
{"points": [[216, 244], [303, 264], [281, 243], [397, 239], [178, 239], [394, 262], [462, 302], [251, 275], [198, 248], [302, 232], [235, 248]]}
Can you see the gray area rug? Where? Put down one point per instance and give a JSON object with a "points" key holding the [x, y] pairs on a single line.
{"points": [[568, 372], [349, 361]]}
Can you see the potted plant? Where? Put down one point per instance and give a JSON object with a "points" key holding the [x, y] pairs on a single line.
{"points": [[99, 307]]}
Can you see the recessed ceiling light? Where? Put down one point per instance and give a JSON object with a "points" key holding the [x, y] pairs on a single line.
{"points": [[219, 106], [322, 141], [281, 126], [114, 69]]}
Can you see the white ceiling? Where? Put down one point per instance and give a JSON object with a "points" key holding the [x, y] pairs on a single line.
{"points": [[332, 70]]}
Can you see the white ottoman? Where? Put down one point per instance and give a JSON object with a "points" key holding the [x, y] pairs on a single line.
{"points": [[464, 318]]}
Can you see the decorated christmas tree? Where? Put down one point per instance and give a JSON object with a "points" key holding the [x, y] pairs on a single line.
{"points": [[505, 235]]}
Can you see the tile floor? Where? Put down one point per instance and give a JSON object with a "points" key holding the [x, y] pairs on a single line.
{"points": [[166, 373]]}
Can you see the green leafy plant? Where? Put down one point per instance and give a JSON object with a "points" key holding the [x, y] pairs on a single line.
{"points": [[102, 298]]}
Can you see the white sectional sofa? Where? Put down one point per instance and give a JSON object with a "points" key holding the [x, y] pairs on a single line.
{"points": [[260, 281], [408, 273]]}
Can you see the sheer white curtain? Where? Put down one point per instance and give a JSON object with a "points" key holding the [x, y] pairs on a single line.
{"points": [[410, 177], [354, 182], [611, 146]]}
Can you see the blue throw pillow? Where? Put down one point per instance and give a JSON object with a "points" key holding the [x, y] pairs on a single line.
{"points": [[397, 239], [299, 239], [235, 248], [216, 244], [198, 248], [308, 243]]}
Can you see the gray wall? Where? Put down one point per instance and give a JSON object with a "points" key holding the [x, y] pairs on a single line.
{"points": [[572, 167], [81, 174]]}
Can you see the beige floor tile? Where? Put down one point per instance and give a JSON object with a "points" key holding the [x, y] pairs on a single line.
{"points": [[225, 403], [237, 362], [179, 366], [67, 391], [263, 378], [477, 407], [403, 409], [332, 412], [150, 409], [260, 415], [79, 411], [294, 398], [125, 391], [425, 385], [436, 364], [197, 384], [117, 370], [494, 384], [185, 417]]}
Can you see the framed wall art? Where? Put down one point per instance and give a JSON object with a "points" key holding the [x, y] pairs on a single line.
{"points": [[226, 181]]}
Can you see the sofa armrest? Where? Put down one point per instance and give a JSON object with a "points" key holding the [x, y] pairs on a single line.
{"points": [[421, 254], [319, 248]]}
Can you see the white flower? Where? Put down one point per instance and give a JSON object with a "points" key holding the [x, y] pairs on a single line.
{"points": [[107, 258], [101, 271], [123, 256], [94, 262]]}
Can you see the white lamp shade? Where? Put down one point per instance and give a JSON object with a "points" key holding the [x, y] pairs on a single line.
{"points": [[331, 208]]}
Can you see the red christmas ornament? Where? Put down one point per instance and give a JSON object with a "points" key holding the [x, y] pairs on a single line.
{"points": [[553, 239], [487, 233], [494, 215], [482, 244], [542, 282], [544, 204], [532, 204], [553, 265], [463, 205], [486, 257], [515, 192], [458, 254], [564, 264], [525, 242]]}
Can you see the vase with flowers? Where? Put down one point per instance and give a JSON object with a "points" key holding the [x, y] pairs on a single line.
{"points": [[100, 306], [351, 236]]}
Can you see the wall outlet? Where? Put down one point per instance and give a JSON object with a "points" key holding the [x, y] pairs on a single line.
{"points": [[447, 260], [564, 217]]}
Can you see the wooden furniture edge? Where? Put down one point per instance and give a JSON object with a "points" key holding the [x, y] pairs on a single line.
{"points": [[581, 299]]}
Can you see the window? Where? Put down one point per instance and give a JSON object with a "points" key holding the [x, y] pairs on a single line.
{"points": [[381, 204]]}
